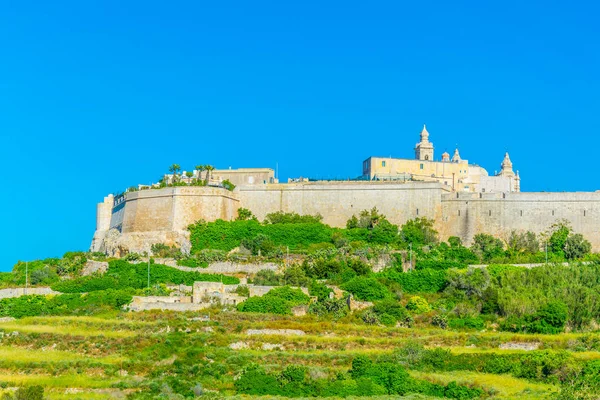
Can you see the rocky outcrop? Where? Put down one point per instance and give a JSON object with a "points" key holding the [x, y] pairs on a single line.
{"points": [[116, 244]]}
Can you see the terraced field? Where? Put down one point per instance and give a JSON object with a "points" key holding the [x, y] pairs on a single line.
{"points": [[130, 354]]}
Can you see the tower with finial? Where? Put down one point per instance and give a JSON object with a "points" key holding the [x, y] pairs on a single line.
{"points": [[507, 172], [424, 149], [506, 166]]}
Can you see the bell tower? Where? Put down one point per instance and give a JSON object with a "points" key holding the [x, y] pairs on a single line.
{"points": [[424, 149]]}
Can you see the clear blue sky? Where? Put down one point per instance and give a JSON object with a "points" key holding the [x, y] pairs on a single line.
{"points": [[96, 96]]}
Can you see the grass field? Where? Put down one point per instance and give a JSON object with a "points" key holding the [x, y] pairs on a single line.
{"points": [[120, 354]]}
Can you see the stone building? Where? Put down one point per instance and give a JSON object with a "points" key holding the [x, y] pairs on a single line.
{"points": [[456, 173], [240, 176]]}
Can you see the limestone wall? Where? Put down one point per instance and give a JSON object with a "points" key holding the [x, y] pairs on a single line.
{"points": [[467, 214], [338, 201], [173, 209], [162, 216], [18, 292]]}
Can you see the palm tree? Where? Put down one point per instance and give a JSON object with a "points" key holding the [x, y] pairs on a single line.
{"points": [[174, 169], [200, 168], [208, 168]]}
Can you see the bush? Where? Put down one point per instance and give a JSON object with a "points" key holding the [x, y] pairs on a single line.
{"points": [[392, 308], [122, 274], [319, 290], [439, 264], [273, 305], [419, 232], [368, 289], [418, 305], [468, 323], [293, 296], [163, 251], [266, 277], [259, 245], [227, 235], [441, 321], [65, 304], [426, 280], [333, 308], [487, 247]]}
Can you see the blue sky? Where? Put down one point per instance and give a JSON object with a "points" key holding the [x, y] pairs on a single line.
{"points": [[96, 96]]}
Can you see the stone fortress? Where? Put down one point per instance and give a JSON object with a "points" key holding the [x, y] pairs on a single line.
{"points": [[462, 199]]}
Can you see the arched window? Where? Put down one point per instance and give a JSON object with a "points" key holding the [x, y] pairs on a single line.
{"points": [[426, 157]]}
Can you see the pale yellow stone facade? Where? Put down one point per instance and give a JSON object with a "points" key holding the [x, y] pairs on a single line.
{"points": [[456, 173]]}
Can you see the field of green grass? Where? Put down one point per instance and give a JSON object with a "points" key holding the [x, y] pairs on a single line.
{"points": [[126, 354]]}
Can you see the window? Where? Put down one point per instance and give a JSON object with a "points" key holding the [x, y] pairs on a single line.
{"points": [[584, 213], [383, 163], [521, 213], [426, 157], [459, 213], [421, 166], [553, 213], [417, 211], [490, 213]]}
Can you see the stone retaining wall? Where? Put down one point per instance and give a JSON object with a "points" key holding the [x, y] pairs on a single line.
{"points": [[18, 292]]}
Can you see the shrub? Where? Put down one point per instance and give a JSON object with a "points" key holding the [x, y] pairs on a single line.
{"points": [[163, 251], [281, 217], [487, 247], [293, 296], [244, 214], [259, 245], [319, 290], [468, 323], [122, 274], [227, 235], [333, 308], [441, 321], [576, 247], [419, 232], [264, 304], [392, 308], [418, 305], [266, 277], [426, 280], [368, 289], [439, 264]]}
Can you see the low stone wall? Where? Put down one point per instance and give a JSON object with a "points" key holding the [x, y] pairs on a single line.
{"points": [[18, 292], [222, 267], [183, 303]]}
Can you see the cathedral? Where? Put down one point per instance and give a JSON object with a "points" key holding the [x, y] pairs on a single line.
{"points": [[455, 173]]}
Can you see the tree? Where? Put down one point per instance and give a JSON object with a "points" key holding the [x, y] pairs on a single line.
{"points": [[189, 174], [557, 236], [487, 247], [200, 168], [576, 247], [523, 242], [244, 214], [419, 231], [367, 219], [473, 282], [208, 169], [174, 170], [228, 185]]}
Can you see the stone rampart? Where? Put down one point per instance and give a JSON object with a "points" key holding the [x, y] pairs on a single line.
{"points": [[339, 201], [466, 214], [162, 215]]}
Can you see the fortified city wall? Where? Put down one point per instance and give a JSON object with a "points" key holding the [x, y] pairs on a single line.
{"points": [[339, 201], [162, 215], [466, 214]]}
